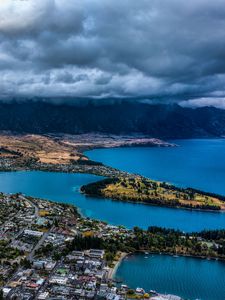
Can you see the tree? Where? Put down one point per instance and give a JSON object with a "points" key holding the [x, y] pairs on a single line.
{"points": [[1, 294]]}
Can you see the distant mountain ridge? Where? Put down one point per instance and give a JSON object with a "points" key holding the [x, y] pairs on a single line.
{"points": [[161, 121]]}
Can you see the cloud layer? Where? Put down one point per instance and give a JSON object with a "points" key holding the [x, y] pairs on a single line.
{"points": [[169, 50]]}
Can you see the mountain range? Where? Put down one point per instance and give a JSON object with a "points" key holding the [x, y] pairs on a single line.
{"points": [[161, 121]]}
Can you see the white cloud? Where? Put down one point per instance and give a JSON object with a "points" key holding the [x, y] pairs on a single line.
{"points": [[203, 102]]}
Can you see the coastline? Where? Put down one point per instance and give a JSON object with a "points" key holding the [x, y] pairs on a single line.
{"points": [[88, 142], [123, 255], [180, 255], [112, 270], [222, 210], [149, 203], [161, 294], [84, 149]]}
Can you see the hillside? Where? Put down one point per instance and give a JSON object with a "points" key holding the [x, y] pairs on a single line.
{"points": [[161, 121]]}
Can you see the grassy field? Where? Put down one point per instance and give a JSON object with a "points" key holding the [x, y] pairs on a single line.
{"points": [[139, 189]]}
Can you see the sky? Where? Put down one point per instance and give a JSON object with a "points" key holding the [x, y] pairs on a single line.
{"points": [[157, 50]]}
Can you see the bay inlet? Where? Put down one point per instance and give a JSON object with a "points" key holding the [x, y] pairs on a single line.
{"points": [[190, 278]]}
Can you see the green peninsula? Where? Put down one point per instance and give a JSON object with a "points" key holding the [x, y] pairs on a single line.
{"points": [[139, 189]]}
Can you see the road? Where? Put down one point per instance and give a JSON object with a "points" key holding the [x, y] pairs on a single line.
{"points": [[38, 245]]}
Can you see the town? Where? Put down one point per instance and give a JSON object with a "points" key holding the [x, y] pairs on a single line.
{"points": [[43, 255]]}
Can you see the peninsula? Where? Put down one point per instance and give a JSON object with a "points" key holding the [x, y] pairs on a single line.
{"points": [[140, 189]]}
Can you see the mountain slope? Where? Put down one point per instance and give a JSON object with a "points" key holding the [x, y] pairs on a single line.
{"points": [[164, 121]]}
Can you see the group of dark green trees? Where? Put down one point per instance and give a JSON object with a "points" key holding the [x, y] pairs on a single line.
{"points": [[209, 243]]}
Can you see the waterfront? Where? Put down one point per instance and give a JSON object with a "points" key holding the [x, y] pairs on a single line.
{"points": [[64, 187], [187, 277]]}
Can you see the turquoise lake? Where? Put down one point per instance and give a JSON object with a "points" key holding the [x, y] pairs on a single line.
{"points": [[195, 163], [189, 278], [64, 187]]}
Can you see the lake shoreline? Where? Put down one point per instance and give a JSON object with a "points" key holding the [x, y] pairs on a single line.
{"points": [[112, 270], [158, 193], [222, 211], [123, 255], [154, 264]]}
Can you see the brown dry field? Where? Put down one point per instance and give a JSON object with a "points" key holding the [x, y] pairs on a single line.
{"points": [[47, 149]]}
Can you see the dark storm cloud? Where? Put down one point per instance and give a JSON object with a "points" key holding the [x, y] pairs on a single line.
{"points": [[92, 48]]}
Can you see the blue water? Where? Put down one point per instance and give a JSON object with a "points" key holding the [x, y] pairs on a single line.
{"points": [[190, 278], [195, 163], [64, 187]]}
